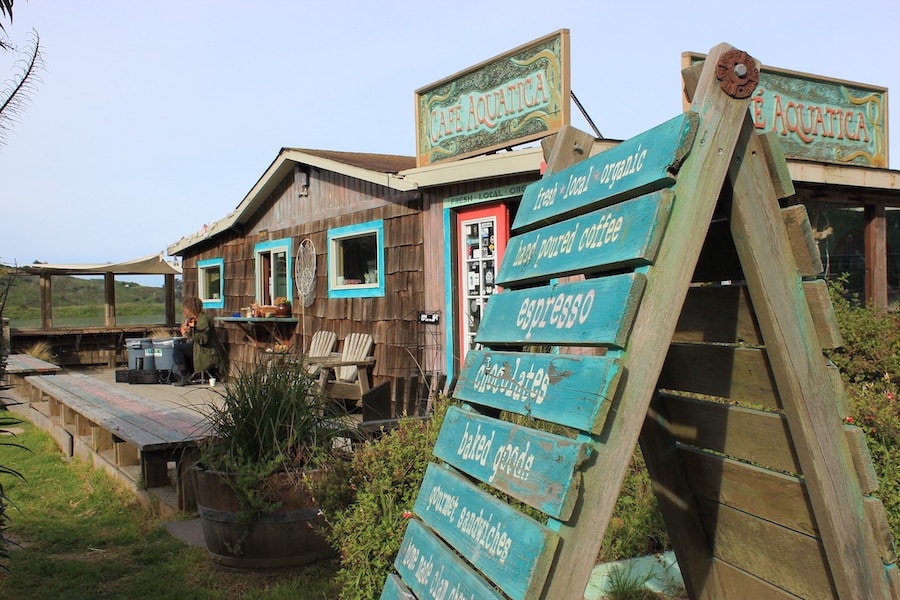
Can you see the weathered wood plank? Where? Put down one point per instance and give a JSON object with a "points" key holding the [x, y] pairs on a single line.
{"points": [[569, 390], [799, 566], [533, 466], [434, 572], [642, 164], [767, 494], [512, 550], [719, 260], [877, 518], [779, 174], [594, 312], [700, 179], [724, 314], [741, 584], [804, 386], [622, 235], [565, 148], [802, 241], [822, 312], [862, 460], [395, 590], [735, 372], [718, 314], [755, 436]]}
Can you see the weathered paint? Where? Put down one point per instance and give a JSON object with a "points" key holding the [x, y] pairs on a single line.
{"points": [[511, 549], [434, 572], [625, 234], [571, 390], [533, 466], [518, 96], [395, 590], [593, 312], [640, 165]]}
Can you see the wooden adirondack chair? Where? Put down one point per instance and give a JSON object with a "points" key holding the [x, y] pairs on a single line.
{"points": [[320, 348], [346, 376]]}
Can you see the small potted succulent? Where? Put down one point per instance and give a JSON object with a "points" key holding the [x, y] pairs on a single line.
{"points": [[282, 307]]}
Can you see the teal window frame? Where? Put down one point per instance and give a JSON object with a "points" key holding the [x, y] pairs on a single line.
{"points": [[337, 289], [202, 267], [272, 248]]}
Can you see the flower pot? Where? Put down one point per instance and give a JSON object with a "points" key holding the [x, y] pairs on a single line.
{"points": [[282, 310], [290, 535]]}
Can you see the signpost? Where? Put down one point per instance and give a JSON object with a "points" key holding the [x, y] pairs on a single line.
{"points": [[634, 221], [511, 99]]}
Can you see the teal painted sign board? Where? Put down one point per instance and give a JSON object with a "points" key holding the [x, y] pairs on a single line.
{"points": [[533, 466], [626, 234], [511, 549], [432, 571], [570, 390], [593, 312], [641, 165], [607, 212], [820, 118]]}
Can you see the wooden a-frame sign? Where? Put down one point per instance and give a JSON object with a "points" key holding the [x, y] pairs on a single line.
{"points": [[683, 308]]}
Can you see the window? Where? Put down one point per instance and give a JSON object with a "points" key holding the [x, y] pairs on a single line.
{"points": [[210, 282], [356, 261], [273, 270]]}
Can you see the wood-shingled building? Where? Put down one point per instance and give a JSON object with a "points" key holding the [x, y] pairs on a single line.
{"points": [[351, 207], [250, 256], [407, 249]]}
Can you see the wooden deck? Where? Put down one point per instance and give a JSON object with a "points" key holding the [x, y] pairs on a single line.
{"points": [[144, 435], [20, 366]]}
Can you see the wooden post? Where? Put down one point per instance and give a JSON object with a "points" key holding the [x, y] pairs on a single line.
{"points": [[169, 285], [799, 369], [701, 178], [109, 299], [876, 256], [46, 301]]}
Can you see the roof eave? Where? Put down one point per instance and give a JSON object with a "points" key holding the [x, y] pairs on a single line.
{"points": [[280, 168]]}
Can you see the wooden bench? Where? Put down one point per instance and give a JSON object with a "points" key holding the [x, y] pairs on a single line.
{"points": [[20, 366], [126, 429]]}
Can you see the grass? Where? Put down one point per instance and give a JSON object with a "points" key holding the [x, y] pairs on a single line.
{"points": [[83, 536]]}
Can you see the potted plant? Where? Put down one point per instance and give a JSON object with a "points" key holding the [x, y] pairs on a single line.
{"points": [[274, 438], [282, 307]]}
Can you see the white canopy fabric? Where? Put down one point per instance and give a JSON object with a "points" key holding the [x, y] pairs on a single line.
{"points": [[155, 264]]}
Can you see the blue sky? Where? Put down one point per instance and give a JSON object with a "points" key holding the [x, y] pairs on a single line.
{"points": [[153, 118]]}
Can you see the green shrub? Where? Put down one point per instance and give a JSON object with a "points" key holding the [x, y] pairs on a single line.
{"points": [[871, 337], [869, 362], [874, 406], [636, 527], [385, 475]]}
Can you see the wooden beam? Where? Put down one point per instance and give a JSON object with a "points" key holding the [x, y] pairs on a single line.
{"points": [[109, 299], [169, 287], [876, 256], [46, 283], [803, 384], [700, 181]]}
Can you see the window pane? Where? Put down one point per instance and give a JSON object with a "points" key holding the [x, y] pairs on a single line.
{"points": [[840, 231], [212, 284], [279, 275], [358, 260]]}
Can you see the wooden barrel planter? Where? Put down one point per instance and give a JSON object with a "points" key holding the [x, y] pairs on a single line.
{"points": [[290, 535]]}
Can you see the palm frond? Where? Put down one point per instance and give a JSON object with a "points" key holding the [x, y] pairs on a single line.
{"points": [[16, 91]]}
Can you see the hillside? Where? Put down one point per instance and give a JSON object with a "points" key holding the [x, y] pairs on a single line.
{"points": [[79, 301]]}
